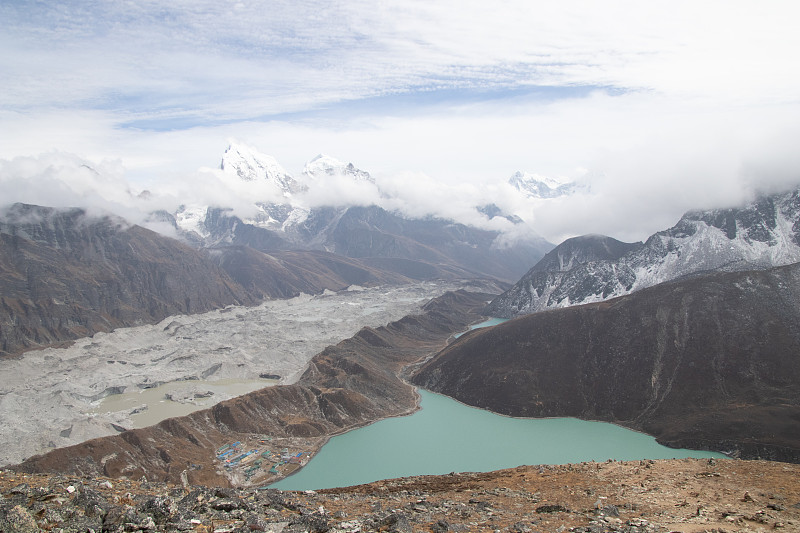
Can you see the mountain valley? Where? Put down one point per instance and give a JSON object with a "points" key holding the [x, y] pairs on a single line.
{"points": [[689, 336], [346, 385], [57, 396]]}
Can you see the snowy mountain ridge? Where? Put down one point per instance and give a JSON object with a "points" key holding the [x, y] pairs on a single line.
{"points": [[535, 186], [288, 214], [251, 165], [325, 165], [248, 164], [764, 234], [289, 200]]}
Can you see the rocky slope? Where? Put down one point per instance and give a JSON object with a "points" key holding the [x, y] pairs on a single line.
{"points": [[65, 274], [347, 385], [709, 362], [635, 497], [764, 234]]}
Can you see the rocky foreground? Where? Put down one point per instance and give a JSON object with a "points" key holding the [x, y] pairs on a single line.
{"points": [[688, 495]]}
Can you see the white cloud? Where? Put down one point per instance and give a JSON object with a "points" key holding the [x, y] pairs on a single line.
{"points": [[340, 190], [64, 180], [696, 103], [218, 59]]}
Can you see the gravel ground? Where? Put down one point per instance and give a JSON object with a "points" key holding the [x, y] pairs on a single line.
{"points": [[48, 397], [685, 495]]}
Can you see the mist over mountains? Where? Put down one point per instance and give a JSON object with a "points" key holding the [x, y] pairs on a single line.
{"points": [[73, 272], [251, 183], [294, 206]]}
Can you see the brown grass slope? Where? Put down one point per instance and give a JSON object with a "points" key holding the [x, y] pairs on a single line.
{"points": [[711, 362]]}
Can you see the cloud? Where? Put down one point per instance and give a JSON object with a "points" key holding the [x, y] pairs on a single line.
{"points": [[340, 190], [203, 61], [647, 158], [63, 180], [660, 106]]}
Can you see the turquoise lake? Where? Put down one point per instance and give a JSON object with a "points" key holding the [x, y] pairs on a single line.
{"points": [[484, 324], [447, 436]]}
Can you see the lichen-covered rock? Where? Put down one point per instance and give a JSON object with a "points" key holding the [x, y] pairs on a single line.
{"points": [[18, 520]]}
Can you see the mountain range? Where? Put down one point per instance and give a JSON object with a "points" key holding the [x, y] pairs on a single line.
{"points": [[367, 232], [68, 273], [763, 234]]}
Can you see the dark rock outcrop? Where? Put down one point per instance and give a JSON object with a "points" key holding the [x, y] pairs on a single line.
{"points": [[708, 362]]}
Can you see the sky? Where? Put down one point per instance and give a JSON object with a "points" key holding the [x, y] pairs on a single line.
{"points": [[658, 107]]}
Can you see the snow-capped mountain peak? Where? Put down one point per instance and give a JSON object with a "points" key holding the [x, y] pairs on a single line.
{"points": [[536, 186], [325, 165], [760, 235], [191, 219], [251, 165]]}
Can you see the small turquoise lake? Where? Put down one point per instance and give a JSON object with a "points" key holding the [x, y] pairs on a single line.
{"points": [[485, 324], [447, 436]]}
